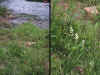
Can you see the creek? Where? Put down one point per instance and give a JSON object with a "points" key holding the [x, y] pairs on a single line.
{"points": [[37, 12]]}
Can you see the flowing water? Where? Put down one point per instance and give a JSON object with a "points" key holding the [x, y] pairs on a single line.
{"points": [[39, 10]]}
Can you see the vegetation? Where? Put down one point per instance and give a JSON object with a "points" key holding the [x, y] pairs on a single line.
{"points": [[74, 38], [23, 50], [3, 11]]}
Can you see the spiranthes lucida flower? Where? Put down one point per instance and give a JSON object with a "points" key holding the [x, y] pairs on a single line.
{"points": [[76, 36], [71, 30]]}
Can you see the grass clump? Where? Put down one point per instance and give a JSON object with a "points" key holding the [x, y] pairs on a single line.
{"points": [[27, 31]]}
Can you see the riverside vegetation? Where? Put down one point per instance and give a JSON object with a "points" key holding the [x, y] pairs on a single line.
{"points": [[75, 37], [23, 49]]}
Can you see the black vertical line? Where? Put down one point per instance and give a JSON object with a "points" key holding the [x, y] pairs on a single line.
{"points": [[49, 37]]}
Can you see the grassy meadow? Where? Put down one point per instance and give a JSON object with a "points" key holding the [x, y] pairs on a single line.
{"points": [[75, 38]]}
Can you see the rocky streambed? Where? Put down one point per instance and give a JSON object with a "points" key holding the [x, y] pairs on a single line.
{"points": [[28, 11]]}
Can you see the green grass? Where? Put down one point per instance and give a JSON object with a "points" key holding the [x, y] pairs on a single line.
{"points": [[18, 58], [75, 41], [2, 11]]}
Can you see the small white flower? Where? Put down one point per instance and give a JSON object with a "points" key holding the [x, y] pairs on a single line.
{"points": [[91, 63], [71, 30], [83, 42], [64, 55], [76, 36]]}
